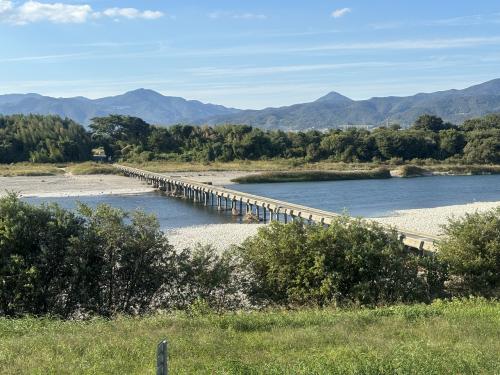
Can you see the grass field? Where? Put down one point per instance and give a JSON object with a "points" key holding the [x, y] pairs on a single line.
{"points": [[29, 169], [301, 176], [92, 168], [458, 337], [275, 165], [250, 165]]}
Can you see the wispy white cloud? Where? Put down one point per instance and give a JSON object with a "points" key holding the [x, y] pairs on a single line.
{"points": [[401, 44], [35, 11], [5, 6], [470, 20], [340, 12], [242, 71], [131, 13], [237, 16], [58, 57]]}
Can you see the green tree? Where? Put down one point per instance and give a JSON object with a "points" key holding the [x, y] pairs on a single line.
{"points": [[431, 123]]}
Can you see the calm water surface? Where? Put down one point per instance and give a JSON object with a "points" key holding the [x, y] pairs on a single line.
{"points": [[369, 198], [374, 198]]}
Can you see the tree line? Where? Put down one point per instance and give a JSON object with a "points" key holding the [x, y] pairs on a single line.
{"points": [[52, 139], [104, 261], [42, 139]]}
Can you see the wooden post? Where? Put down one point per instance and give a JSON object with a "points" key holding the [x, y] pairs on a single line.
{"points": [[162, 358]]}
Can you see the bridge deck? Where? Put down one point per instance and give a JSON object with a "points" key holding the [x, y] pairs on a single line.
{"points": [[412, 239]]}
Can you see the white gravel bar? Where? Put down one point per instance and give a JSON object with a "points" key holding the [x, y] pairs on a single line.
{"points": [[220, 236], [431, 220], [72, 185]]}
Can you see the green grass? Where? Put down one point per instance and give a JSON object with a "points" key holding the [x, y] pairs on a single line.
{"points": [[29, 169], [92, 168], [274, 165], [459, 337], [250, 165], [301, 176]]}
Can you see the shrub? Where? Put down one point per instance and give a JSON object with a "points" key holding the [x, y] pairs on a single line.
{"points": [[208, 278], [351, 261], [102, 261], [472, 250]]}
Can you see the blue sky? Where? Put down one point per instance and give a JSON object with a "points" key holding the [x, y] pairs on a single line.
{"points": [[247, 54]]}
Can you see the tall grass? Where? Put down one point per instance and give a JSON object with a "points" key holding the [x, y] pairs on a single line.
{"points": [[458, 337], [29, 169], [250, 165], [92, 168], [313, 176]]}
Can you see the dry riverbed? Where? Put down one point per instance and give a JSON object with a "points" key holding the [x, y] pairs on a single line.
{"points": [[431, 220], [68, 185]]}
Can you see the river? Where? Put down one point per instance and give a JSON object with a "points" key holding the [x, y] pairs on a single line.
{"points": [[369, 198]]}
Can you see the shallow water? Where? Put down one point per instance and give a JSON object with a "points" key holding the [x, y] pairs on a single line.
{"points": [[376, 198], [370, 198], [171, 212]]}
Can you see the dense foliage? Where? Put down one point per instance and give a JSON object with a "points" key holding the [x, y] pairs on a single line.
{"points": [[429, 138], [102, 261], [42, 139], [52, 139], [350, 261], [472, 250]]}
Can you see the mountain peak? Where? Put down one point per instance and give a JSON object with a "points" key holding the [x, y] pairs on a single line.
{"points": [[143, 93], [334, 97]]}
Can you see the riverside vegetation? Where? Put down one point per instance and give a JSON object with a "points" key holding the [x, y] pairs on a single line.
{"points": [[92, 291], [337, 289], [105, 262]]}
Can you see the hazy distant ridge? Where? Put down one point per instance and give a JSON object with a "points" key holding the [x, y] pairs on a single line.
{"points": [[331, 110], [334, 109], [146, 104]]}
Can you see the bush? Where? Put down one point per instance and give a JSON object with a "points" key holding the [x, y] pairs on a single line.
{"points": [[472, 251], [210, 279], [351, 261], [101, 261]]}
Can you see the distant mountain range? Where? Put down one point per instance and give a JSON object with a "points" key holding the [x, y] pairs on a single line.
{"points": [[146, 104], [331, 110]]}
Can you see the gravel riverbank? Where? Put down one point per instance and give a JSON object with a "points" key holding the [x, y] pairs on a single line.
{"points": [[424, 220], [430, 220], [220, 236], [72, 185]]}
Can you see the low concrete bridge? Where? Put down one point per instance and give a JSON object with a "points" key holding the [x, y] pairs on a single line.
{"points": [[258, 207]]}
